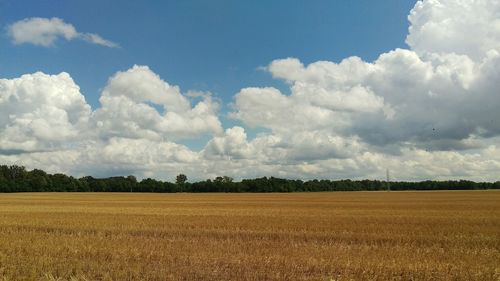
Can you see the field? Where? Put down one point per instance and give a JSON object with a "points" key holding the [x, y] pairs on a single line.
{"points": [[299, 236]]}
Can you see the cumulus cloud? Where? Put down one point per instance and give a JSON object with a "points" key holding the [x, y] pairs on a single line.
{"points": [[466, 27], [427, 112], [45, 122], [232, 145], [45, 32], [141, 157], [129, 108], [403, 97], [40, 112], [439, 95], [269, 108]]}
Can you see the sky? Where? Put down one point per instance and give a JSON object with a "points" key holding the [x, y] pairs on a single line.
{"points": [[294, 89]]}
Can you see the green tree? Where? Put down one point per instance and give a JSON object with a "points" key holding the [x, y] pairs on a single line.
{"points": [[133, 182], [180, 179]]}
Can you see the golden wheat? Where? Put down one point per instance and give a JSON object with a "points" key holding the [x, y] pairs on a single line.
{"points": [[299, 236]]}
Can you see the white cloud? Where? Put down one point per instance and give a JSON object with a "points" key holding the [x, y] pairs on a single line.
{"points": [[438, 96], [130, 103], [45, 122], [232, 145], [45, 32], [465, 27], [269, 108], [40, 112], [428, 112], [97, 39], [140, 157], [400, 97]]}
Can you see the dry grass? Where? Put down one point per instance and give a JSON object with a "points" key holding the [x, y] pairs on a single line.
{"points": [[308, 236]]}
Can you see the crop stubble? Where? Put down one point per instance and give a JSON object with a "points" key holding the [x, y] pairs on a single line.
{"points": [[298, 236]]}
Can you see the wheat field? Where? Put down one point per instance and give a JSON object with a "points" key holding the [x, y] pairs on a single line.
{"points": [[298, 236]]}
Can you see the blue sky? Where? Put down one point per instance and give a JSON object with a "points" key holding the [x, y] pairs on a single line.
{"points": [[214, 46], [299, 89]]}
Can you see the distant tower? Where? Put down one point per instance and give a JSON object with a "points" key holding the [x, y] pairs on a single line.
{"points": [[388, 183]]}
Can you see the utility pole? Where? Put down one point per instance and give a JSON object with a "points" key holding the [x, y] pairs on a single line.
{"points": [[387, 181]]}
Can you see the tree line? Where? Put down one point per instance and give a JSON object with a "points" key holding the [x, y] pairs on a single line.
{"points": [[18, 179]]}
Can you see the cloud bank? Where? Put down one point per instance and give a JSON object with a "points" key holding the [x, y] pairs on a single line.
{"points": [[426, 112], [45, 32]]}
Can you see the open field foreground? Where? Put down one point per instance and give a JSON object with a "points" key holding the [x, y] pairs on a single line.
{"points": [[299, 236]]}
